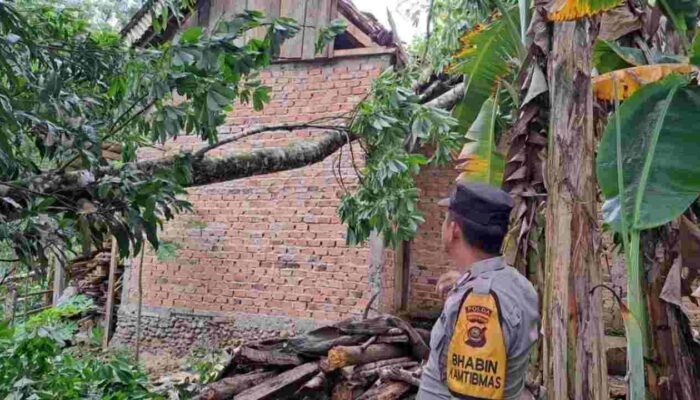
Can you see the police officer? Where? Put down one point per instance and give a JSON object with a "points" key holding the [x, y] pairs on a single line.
{"points": [[480, 345]]}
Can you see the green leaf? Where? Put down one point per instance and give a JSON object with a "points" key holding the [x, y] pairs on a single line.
{"points": [[683, 13], [695, 51], [480, 160], [192, 35], [609, 56], [219, 96], [660, 143], [328, 34], [485, 60]]}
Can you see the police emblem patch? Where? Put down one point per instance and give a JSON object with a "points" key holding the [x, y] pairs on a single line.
{"points": [[476, 336]]}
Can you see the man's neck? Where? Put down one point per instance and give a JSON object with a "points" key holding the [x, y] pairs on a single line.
{"points": [[464, 262]]}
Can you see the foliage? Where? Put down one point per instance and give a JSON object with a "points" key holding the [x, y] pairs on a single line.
{"points": [[70, 88], [647, 169], [567, 10], [480, 160], [450, 19], [207, 363], [622, 83], [327, 34], [659, 148], [34, 363], [490, 55], [389, 124]]}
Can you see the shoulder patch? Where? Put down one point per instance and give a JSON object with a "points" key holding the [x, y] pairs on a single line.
{"points": [[476, 356]]}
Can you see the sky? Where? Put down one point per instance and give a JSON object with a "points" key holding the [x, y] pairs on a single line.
{"points": [[404, 26]]}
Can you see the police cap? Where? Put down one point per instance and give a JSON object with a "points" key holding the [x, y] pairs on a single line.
{"points": [[480, 203]]}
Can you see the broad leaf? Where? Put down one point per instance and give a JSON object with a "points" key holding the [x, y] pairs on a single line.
{"points": [[660, 144], [479, 160], [569, 10], [695, 51], [624, 82], [609, 56], [483, 61], [683, 13]]}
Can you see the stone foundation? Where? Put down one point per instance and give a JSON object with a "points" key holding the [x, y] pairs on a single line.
{"points": [[178, 331]]}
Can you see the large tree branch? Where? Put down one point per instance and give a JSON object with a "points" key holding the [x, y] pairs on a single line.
{"points": [[71, 186], [448, 99], [207, 170]]}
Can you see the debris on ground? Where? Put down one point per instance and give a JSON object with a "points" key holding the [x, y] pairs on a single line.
{"points": [[377, 358]]}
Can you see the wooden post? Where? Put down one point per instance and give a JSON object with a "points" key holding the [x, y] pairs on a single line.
{"points": [[109, 307], [58, 282], [10, 302]]}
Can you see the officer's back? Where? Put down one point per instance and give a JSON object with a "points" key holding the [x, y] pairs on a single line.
{"points": [[479, 347]]}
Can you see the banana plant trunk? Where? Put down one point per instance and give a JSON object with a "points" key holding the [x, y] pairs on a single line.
{"points": [[674, 369], [573, 352]]}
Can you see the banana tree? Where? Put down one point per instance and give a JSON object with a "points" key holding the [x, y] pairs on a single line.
{"points": [[647, 168]]}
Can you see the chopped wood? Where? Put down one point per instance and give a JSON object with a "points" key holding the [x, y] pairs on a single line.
{"points": [[369, 342], [371, 373], [227, 387], [248, 356], [343, 391], [276, 386], [394, 332], [392, 339], [402, 375], [386, 391], [340, 356], [383, 363], [316, 382]]}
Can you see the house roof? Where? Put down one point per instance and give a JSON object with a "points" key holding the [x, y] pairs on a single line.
{"points": [[135, 31]]}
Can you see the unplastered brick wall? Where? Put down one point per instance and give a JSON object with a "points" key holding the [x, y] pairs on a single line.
{"points": [[428, 260], [272, 244]]}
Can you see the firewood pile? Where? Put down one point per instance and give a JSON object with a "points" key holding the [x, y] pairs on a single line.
{"points": [[90, 275], [377, 358]]}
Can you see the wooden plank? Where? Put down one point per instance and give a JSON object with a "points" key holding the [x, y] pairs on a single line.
{"points": [[59, 278], [216, 13], [333, 14], [363, 51], [357, 34], [271, 9], [316, 17], [109, 307], [293, 9], [279, 383]]}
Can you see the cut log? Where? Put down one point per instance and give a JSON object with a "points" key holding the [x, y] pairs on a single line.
{"points": [[383, 363], [392, 339], [386, 391], [249, 356], [315, 388], [401, 375], [228, 387], [284, 382], [341, 356], [371, 373]]}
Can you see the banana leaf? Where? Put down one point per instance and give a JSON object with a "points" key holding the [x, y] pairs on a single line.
{"points": [[660, 142], [479, 160], [569, 10], [484, 60], [609, 56]]}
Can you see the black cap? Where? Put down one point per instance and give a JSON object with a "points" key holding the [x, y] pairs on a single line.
{"points": [[480, 203]]}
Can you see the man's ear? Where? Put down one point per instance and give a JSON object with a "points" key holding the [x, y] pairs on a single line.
{"points": [[451, 233]]}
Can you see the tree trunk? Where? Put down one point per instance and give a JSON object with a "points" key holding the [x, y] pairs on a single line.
{"points": [[675, 373], [573, 352]]}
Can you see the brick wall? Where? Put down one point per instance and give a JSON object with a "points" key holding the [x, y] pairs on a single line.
{"points": [[428, 260], [273, 244]]}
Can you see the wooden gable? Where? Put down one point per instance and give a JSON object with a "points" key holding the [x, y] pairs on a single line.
{"points": [[363, 35]]}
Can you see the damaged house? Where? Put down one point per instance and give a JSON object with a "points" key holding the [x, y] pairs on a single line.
{"points": [[267, 254]]}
